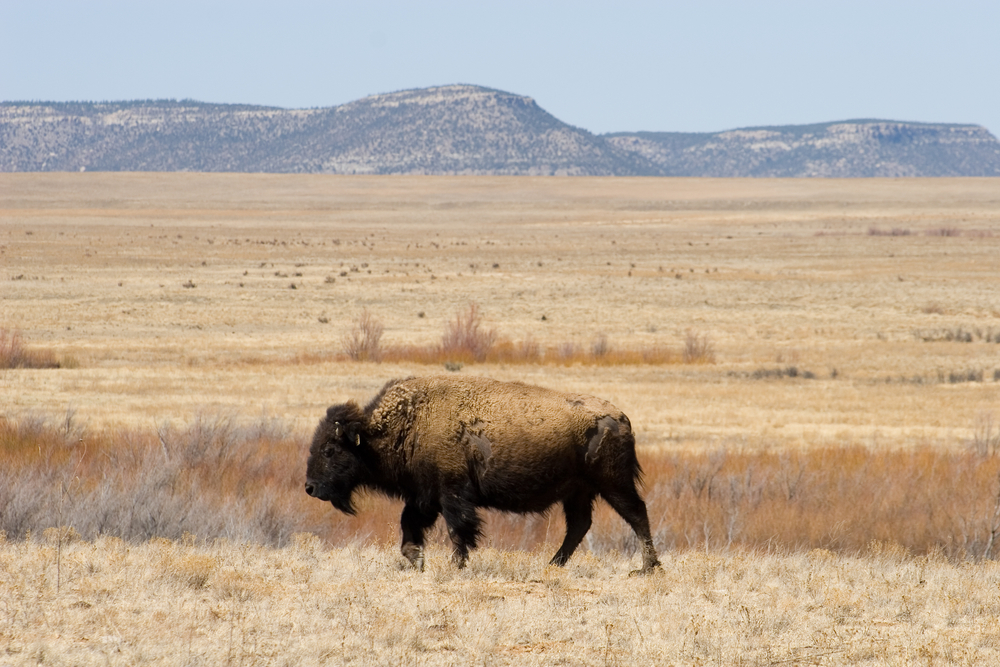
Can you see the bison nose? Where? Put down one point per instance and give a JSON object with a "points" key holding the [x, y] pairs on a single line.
{"points": [[310, 489]]}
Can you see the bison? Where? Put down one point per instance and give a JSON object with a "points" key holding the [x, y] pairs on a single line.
{"points": [[449, 445]]}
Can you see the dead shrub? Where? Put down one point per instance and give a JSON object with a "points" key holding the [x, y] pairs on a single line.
{"points": [[949, 232], [895, 231], [567, 353], [779, 373], [15, 354], [600, 347], [526, 351], [465, 338], [985, 435], [698, 348], [934, 308], [364, 341], [958, 334]]}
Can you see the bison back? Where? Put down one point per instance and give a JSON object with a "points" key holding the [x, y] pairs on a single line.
{"points": [[523, 447]]}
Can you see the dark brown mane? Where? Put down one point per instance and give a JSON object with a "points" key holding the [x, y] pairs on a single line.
{"points": [[346, 413]]}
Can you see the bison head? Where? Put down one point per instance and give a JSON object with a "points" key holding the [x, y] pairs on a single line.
{"points": [[335, 465]]}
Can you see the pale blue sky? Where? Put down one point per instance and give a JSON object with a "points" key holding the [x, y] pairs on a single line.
{"points": [[602, 66]]}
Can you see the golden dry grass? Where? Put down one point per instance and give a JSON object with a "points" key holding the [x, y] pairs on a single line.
{"points": [[178, 603]]}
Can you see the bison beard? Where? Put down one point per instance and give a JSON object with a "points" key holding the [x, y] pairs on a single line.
{"points": [[449, 445]]}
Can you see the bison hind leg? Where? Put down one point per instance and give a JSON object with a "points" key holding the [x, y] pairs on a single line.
{"points": [[464, 527], [579, 510], [631, 507]]}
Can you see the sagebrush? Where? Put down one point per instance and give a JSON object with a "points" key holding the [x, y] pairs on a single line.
{"points": [[220, 477]]}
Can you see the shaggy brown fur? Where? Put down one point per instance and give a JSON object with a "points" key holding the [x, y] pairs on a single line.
{"points": [[450, 444]]}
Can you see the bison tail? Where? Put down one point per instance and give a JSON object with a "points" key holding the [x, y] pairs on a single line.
{"points": [[636, 467]]}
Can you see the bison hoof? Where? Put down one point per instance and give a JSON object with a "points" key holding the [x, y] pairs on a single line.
{"points": [[656, 568], [415, 555]]}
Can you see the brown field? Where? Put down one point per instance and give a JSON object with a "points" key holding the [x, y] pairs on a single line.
{"points": [[849, 401]]}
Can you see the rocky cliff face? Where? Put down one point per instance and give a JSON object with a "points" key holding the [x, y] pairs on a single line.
{"points": [[460, 129]]}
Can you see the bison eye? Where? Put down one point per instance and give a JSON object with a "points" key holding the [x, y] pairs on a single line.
{"points": [[328, 452]]}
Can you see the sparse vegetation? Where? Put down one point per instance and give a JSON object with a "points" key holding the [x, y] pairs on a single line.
{"points": [[786, 372], [958, 334], [895, 231], [467, 340], [947, 377], [945, 231]]}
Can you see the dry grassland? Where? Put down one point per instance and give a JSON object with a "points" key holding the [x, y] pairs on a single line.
{"points": [[851, 402], [170, 603], [777, 273]]}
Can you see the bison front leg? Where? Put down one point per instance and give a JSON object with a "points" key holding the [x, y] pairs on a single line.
{"points": [[463, 526], [414, 522]]}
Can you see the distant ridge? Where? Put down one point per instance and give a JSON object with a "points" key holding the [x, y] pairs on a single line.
{"points": [[460, 129], [851, 148]]}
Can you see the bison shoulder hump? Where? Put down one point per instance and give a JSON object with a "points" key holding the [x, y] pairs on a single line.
{"points": [[395, 409]]}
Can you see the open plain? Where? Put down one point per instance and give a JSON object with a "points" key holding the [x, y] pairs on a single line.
{"points": [[178, 293], [832, 316]]}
